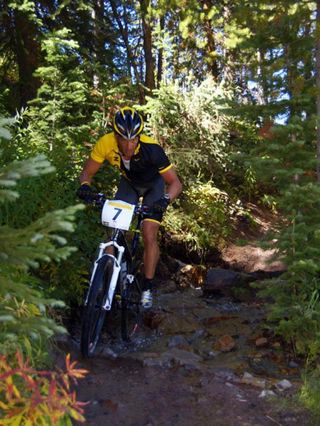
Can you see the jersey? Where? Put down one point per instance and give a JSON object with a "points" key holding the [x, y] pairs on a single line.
{"points": [[149, 159]]}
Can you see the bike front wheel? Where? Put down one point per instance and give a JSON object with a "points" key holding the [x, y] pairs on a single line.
{"points": [[94, 314], [130, 309]]}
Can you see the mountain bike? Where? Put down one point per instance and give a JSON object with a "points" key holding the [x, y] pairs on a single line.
{"points": [[114, 282]]}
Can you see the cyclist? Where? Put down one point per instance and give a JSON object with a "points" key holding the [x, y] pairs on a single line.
{"points": [[145, 172]]}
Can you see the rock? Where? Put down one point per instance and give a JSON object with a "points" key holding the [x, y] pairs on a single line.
{"points": [[178, 341], [168, 323], [190, 276], [197, 335], [168, 287], [173, 357], [249, 379], [222, 280], [261, 342], [225, 343], [184, 358], [109, 353], [266, 394], [283, 385]]}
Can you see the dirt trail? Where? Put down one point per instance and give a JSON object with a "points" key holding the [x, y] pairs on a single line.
{"points": [[196, 361], [199, 364]]}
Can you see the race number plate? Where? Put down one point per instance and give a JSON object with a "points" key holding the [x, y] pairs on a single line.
{"points": [[117, 214]]}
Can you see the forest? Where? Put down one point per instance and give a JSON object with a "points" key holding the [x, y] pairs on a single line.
{"points": [[231, 90]]}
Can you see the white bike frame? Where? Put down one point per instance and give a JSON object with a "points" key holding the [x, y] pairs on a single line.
{"points": [[115, 272]]}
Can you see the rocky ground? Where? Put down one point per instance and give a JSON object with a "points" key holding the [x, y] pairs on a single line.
{"points": [[204, 355]]}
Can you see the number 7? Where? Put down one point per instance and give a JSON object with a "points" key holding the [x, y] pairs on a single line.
{"points": [[117, 214]]}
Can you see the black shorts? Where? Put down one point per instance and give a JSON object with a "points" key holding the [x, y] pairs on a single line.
{"points": [[150, 192]]}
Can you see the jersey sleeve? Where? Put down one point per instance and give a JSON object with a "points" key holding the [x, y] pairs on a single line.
{"points": [[160, 159], [98, 152]]}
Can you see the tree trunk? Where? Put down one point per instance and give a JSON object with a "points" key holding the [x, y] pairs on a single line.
{"points": [[131, 62], [318, 87], [160, 56], [147, 45], [27, 51]]}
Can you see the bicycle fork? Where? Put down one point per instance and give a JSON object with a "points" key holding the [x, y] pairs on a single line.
{"points": [[115, 270]]}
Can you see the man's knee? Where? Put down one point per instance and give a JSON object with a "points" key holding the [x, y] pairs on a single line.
{"points": [[150, 232]]}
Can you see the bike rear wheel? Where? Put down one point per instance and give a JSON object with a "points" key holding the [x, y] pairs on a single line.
{"points": [[130, 309], [94, 314]]}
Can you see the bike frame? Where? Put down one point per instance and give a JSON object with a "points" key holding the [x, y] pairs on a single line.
{"points": [[120, 249]]}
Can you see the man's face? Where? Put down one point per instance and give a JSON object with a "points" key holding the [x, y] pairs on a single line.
{"points": [[127, 146]]}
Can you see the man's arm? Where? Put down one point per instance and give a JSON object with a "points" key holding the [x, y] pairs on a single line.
{"points": [[174, 186], [90, 169]]}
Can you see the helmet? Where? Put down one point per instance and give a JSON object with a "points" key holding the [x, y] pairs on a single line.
{"points": [[127, 123]]}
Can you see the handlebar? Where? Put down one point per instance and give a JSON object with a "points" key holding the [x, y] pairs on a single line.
{"points": [[98, 200]]}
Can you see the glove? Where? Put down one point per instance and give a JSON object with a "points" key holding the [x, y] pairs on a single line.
{"points": [[85, 192], [160, 206]]}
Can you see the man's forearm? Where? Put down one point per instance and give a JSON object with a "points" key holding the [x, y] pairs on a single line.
{"points": [[174, 190]]}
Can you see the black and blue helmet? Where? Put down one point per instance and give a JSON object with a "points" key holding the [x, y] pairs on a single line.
{"points": [[127, 123]]}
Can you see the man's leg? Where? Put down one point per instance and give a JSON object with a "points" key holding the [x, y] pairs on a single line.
{"points": [[151, 248], [150, 258]]}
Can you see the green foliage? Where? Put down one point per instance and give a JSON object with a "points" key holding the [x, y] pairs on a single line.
{"points": [[55, 122], [195, 128], [203, 221], [288, 161], [23, 318], [310, 391]]}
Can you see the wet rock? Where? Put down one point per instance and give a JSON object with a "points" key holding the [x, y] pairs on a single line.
{"points": [[267, 394], [178, 341], [109, 353], [225, 327], [283, 385], [167, 323], [264, 365], [261, 342], [249, 379], [225, 343], [185, 358], [197, 335], [173, 357]]}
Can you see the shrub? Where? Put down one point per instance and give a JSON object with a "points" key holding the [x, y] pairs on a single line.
{"points": [[33, 397]]}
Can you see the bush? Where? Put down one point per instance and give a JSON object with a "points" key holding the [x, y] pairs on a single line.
{"points": [[33, 397]]}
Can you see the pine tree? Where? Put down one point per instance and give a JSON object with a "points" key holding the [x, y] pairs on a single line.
{"points": [[24, 323]]}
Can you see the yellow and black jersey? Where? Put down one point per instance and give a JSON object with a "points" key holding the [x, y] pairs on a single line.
{"points": [[149, 159]]}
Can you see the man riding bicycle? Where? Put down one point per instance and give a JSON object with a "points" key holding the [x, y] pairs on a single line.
{"points": [[145, 172]]}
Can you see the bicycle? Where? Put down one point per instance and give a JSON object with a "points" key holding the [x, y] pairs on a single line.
{"points": [[114, 279]]}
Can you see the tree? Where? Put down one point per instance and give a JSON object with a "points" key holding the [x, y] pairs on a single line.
{"points": [[25, 324]]}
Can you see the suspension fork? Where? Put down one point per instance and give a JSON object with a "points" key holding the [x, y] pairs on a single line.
{"points": [[115, 272]]}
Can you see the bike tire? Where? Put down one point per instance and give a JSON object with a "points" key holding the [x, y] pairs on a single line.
{"points": [[130, 310], [94, 314]]}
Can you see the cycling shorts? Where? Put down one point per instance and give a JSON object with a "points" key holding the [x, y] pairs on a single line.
{"points": [[150, 193]]}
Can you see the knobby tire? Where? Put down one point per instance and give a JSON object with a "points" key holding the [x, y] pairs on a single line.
{"points": [[94, 315], [130, 310]]}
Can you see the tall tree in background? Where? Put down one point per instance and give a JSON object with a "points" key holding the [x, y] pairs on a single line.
{"points": [[147, 44], [20, 47]]}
